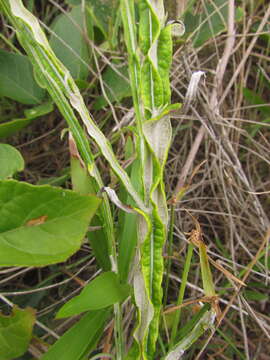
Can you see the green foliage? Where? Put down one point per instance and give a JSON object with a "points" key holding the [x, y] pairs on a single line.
{"points": [[16, 79], [83, 184], [11, 161], [103, 15], [11, 127], [80, 339], [128, 236], [193, 330], [211, 22], [105, 290], [41, 225], [69, 44], [116, 85], [254, 295], [264, 110], [101, 12], [15, 332]]}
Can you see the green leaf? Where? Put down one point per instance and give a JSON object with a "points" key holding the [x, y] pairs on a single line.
{"points": [[255, 99], [253, 295], [41, 225], [204, 321], [187, 328], [98, 242], [207, 278], [15, 332], [17, 80], [80, 339], [11, 161], [128, 225], [83, 184], [74, 2], [57, 80], [101, 12], [211, 22], [71, 48], [116, 86], [11, 127], [39, 110], [103, 291]]}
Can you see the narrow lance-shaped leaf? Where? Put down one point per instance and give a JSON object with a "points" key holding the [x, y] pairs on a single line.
{"points": [[105, 290], [80, 339]]}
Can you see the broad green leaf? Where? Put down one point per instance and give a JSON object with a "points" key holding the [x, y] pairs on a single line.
{"points": [[15, 332], [69, 43], [80, 339], [41, 225], [11, 127], [11, 161], [103, 291], [116, 86], [17, 80]]}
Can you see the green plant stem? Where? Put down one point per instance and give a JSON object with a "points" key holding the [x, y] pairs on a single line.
{"points": [[169, 254], [181, 293]]}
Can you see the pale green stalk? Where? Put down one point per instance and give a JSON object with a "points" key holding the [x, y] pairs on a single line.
{"points": [[181, 294], [149, 64], [169, 254]]}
